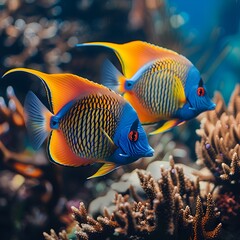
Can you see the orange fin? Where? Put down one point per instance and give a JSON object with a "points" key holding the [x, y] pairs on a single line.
{"points": [[64, 87], [105, 169], [60, 153], [167, 126], [134, 55]]}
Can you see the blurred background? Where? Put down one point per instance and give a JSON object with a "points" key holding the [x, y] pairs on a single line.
{"points": [[36, 195]]}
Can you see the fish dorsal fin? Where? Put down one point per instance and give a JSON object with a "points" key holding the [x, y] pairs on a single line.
{"points": [[134, 55], [63, 87], [60, 153]]}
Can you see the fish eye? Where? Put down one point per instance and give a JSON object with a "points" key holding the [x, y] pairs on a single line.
{"points": [[200, 91], [133, 136]]}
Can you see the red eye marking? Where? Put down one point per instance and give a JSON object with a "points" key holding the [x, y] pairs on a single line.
{"points": [[133, 136], [200, 91]]}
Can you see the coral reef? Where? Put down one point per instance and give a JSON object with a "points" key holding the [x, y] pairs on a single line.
{"points": [[220, 137], [35, 195], [219, 151], [172, 209]]}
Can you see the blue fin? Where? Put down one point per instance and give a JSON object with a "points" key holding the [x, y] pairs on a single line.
{"points": [[37, 120], [111, 77]]}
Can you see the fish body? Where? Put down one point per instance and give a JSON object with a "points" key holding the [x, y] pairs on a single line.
{"points": [[88, 123], [159, 83]]}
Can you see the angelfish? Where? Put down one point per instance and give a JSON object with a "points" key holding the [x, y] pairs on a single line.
{"points": [[162, 85], [87, 123]]}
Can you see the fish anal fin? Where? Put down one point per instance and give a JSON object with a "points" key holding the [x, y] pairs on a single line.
{"points": [[62, 84], [104, 169], [60, 152], [167, 126]]}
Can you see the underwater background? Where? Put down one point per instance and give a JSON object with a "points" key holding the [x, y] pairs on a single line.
{"points": [[195, 171]]}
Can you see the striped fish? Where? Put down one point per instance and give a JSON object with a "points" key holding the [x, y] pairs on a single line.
{"points": [[160, 84], [87, 123]]}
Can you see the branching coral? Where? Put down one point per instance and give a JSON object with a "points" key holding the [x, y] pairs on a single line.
{"points": [[11, 116], [219, 150], [219, 147], [172, 210], [23, 161]]}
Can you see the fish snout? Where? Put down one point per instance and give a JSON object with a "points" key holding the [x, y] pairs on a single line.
{"points": [[149, 153]]}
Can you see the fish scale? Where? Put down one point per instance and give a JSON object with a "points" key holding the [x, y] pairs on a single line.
{"points": [[83, 122], [157, 83]]}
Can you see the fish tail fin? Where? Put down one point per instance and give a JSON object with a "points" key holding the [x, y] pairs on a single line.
{"points": [[112, 78], [37, 120]]}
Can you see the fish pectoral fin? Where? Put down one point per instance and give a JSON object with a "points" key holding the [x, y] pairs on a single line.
{"points": [[60, 153], [167, 126], [104, 169], [178, 91], [113, 146]]}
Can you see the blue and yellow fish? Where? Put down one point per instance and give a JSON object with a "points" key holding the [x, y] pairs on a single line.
{"points": [[88, 123], [160, 84]]}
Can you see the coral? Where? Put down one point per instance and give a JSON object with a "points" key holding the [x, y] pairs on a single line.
{"points": [[172, 209], [53, 236], [22, 160], [219, 151], [11, 117], [219, 146], [229, 205]]}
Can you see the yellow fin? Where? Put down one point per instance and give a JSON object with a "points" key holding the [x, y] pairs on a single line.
{"points": [[178, 91], [166, 126], [134, 55], [104, 169], [63, 87], [60, 152], [109, 139]]}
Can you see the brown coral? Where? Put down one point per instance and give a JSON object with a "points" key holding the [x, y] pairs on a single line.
{"points": [[219, 146], [219, 150], [167, 213]]}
